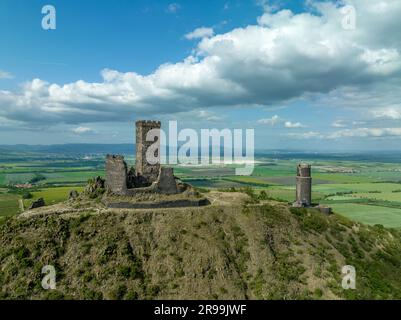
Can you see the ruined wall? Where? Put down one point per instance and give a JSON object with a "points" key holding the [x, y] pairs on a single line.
{"points": [[116, 174], [304, 185], [166, 182], [149, 171], [148, 177]]}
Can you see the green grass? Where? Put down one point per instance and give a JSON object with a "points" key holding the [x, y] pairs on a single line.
{"points": [[2, 179], [356, 187], [9, 204], [71, 177], [388, 217], [52, 195]]}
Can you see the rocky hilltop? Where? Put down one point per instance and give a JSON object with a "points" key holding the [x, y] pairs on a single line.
{"points": [[240, 246]]}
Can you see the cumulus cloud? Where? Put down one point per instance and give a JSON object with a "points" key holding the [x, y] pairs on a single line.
{"points": [[350, 133], [173, 8], [277, 120], [207, 115], [82, 130], [338, 124], [285, 56], [199, 33], [5, 75], [392, 112], [291, 125], [366, 132], [270, 121], [306, 135]]}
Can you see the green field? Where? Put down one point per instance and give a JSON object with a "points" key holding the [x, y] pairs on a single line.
{"points": [[388, 217], [366, 192], [52, 195], [9, 202]]}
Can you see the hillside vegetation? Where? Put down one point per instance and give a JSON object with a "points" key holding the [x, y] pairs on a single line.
{"points": [[239, 247]]}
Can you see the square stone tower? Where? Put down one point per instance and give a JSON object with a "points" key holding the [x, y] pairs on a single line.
{"points": [[304, 185], [145, 168]]}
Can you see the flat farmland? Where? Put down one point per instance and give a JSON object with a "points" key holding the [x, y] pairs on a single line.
{"points": [[358, 188], [368, 191], [388, 217]]}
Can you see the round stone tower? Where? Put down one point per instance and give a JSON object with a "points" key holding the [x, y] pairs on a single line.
{"points": [[304, 185]]}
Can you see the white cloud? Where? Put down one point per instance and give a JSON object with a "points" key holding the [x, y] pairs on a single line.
{"points": [[358, 123], [306, 135], [350, 133], [82, 130], [366, 132], [284, 57], [173, 8], [338, 124], [5, 75], [199, 33], [277, 120], [393, 113], [207, 115], [270, 121], [289, 124]]}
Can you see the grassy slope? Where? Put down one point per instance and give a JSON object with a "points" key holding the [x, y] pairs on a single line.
{"points": [[221, 251]]}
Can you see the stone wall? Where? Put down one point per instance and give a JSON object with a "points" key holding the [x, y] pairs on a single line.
{"points": [[116, 174], [166, 182], [144, 169]]}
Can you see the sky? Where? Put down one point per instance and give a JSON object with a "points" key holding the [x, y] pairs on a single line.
{"points": [[306, 75]]}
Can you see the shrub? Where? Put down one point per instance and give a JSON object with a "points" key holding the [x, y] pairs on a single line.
{"points": [[27, 195], [315, 222], [37, 177]]}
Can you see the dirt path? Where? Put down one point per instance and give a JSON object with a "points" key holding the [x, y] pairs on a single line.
{"points": [[21, 205]]}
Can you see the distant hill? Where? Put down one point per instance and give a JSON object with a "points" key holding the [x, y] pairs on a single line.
{"points": [[129, 149], [228, 250], [78, 148]]}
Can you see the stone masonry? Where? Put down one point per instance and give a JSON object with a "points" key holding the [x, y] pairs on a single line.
{"points": [[304, 190], [146, 177], [166, 181], [116, 174], [149, 171], [304, 185]]}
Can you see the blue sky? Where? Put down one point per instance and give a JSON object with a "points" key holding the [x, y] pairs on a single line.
{"points": [[288, 69]]}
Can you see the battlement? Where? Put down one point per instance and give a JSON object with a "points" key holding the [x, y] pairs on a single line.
{"points": [[304, 170], [148, 123]]}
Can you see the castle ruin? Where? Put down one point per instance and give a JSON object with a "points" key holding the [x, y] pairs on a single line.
{"points": [[148, 175], [304, 190], [304, 185]]}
